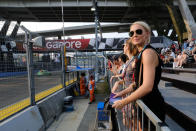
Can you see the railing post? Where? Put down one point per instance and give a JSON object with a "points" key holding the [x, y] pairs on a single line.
{"points": [[63, 67], [30, 68]]}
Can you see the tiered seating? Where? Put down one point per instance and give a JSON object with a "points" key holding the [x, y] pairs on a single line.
{"points": [[180, 95]]}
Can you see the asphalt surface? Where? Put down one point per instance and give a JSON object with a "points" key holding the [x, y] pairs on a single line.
{"points": [[14, 89]]}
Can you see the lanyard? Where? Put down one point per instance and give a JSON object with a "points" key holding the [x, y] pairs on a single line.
{"points": [[141, 52]]}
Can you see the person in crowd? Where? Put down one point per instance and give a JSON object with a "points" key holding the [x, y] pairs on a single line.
{"points": [[82, 84], [109, 64], [163, 50], [147, 72], [131, 51], [166, 56], [189, 49], [115, 65], [122, 60], [194, 52], [178, 58], [182, 60], [91, 88], [169, 57], [185, 45]]}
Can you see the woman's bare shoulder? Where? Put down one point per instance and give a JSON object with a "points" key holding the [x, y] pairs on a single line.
{"points": [[150, 56], [149, 53]]}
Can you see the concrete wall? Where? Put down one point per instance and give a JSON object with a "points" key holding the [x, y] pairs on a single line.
{"points": [[51, 107], [27, 120]]}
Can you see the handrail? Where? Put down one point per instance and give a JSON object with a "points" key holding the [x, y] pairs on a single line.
{"points": [[160, 126], [155, 120]]}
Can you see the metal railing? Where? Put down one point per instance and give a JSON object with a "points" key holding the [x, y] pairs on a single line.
{"points": [[136, 116]]}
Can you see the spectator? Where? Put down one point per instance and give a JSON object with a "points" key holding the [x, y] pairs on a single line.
{"points": [[115, 65], [163, 51], [182, 60], [130, 50], [176, 60], [185, 45], [122, 60], [82, 84], [169, 57], [147, 88], [91, 88], [194, 52]]}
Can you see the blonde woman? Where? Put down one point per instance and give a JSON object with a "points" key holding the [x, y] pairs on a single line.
{"points": [[150, 62]]}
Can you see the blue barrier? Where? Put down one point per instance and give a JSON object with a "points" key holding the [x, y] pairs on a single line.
{"points": [[7, 74]]}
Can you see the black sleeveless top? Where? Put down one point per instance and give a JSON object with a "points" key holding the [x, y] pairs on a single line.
{"points": [[154, 99]]}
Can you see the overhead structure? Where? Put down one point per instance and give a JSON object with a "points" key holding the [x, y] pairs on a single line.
{"points": [[153, 12], [80, 30], [188, 19]]}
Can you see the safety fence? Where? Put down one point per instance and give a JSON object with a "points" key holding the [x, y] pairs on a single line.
{"points": [[29, 72], [137, 116], [18, 105]]}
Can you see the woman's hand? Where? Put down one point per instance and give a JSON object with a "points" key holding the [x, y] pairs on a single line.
{"points": [[116, 94], [118, 104]]}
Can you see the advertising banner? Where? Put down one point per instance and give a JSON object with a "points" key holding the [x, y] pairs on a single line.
{"points": [[78, 44]]}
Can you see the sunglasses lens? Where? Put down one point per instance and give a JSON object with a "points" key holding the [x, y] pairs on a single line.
{"points": [[131, 33], [139, 31]]}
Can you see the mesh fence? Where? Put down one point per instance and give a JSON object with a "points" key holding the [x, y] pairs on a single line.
{"points": [[88, 60], [39, 67], [46, 70], [13, 70]]}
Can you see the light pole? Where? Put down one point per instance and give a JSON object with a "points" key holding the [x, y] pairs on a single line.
{"points": [[94, 9]]}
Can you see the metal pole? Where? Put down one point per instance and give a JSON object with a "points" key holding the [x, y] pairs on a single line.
{"points": [[96, 40], [88, 59], [84, 59], [30, 68], [105, 65], [63, 67], [76, 59], [91, 61]]}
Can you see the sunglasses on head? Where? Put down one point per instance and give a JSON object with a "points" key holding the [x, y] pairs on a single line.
{"points": [[138, 32]]}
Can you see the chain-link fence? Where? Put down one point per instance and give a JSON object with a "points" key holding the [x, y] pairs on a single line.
{"points": [[13, 70], [28, 73], [88, 60]]}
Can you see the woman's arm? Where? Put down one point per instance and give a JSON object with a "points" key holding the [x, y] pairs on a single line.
{"points": [[125, 91], [114, 69], [115, 76], [116, 85], [150, 61]]}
